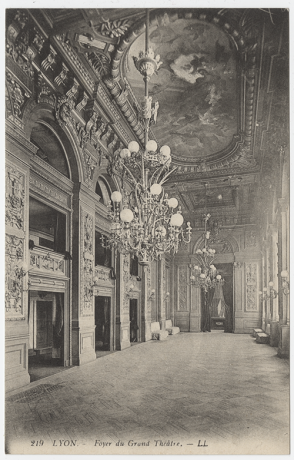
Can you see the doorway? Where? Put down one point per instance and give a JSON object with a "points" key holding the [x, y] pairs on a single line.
{"points": [[134, 328], [102, 323], [46, 334], [217, 304]]}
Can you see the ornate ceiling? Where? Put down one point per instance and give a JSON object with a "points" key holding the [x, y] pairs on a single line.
{"points": [[195, 86], [222, 90]]}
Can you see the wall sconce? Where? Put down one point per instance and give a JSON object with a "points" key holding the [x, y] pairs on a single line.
{"points": [[151, 295], [272, 294], [268, 294], [285, 282], [166, 296]]}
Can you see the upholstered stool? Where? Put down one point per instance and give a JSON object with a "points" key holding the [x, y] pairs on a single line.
{"points": [[170, 328], [157, 333]]}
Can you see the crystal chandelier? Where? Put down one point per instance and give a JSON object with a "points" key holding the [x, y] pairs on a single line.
{"points": [[145, 222], [205, 276]]}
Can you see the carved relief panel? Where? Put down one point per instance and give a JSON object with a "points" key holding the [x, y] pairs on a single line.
{"points": [[14, 276], [182, 288], [87, 264], [126, 278], [15, 271], [14, 198], [251, 286]]}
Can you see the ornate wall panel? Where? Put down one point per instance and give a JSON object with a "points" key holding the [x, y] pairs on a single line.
{"points": [[14, 198], [15, 272], [182, 288], [14, 279], [87, 264], [251, 287]]}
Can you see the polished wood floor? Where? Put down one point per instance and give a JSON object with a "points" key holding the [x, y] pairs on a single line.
{"points": [[224, 389]]}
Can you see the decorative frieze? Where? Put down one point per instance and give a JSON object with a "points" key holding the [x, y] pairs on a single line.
{"points": [[76, 62], [251, 286], [14, 198], [47, 261], [47, 189]]}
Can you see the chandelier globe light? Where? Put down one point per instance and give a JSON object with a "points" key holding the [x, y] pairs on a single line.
{"points": [[145, 222]]}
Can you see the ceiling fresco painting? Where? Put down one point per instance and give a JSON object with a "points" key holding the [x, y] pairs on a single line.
{"points": [[195, 86]]}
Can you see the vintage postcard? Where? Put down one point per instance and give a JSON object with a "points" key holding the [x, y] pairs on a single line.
{"points": [[147, 229]]}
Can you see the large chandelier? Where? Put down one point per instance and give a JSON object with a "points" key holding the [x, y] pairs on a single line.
{"points": [[205, 275], [145, 222]]}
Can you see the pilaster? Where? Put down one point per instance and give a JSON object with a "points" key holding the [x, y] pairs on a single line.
{"points": [[16, 267], [146, 304], [83, 330]]}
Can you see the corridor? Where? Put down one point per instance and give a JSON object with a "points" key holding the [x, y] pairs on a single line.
{"points": [[204, 393]]}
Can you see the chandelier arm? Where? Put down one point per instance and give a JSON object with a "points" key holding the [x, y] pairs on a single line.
{"points": [[138, 202], [131, 175], [167, 175], [157, 173]]}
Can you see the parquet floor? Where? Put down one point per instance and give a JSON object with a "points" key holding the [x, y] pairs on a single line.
{"points": [[223, 389]]}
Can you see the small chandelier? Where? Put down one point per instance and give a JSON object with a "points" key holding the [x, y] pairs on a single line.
{"points": [[205, 276], [145, 222]]}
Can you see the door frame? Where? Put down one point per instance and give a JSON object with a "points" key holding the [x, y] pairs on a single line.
{"points": [[136, 296], [104, 291], [34, 296]]}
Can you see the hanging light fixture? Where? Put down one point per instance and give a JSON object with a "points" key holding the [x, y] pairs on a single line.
{"points": [[205, 275], [270, 293], [145, 222]]}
